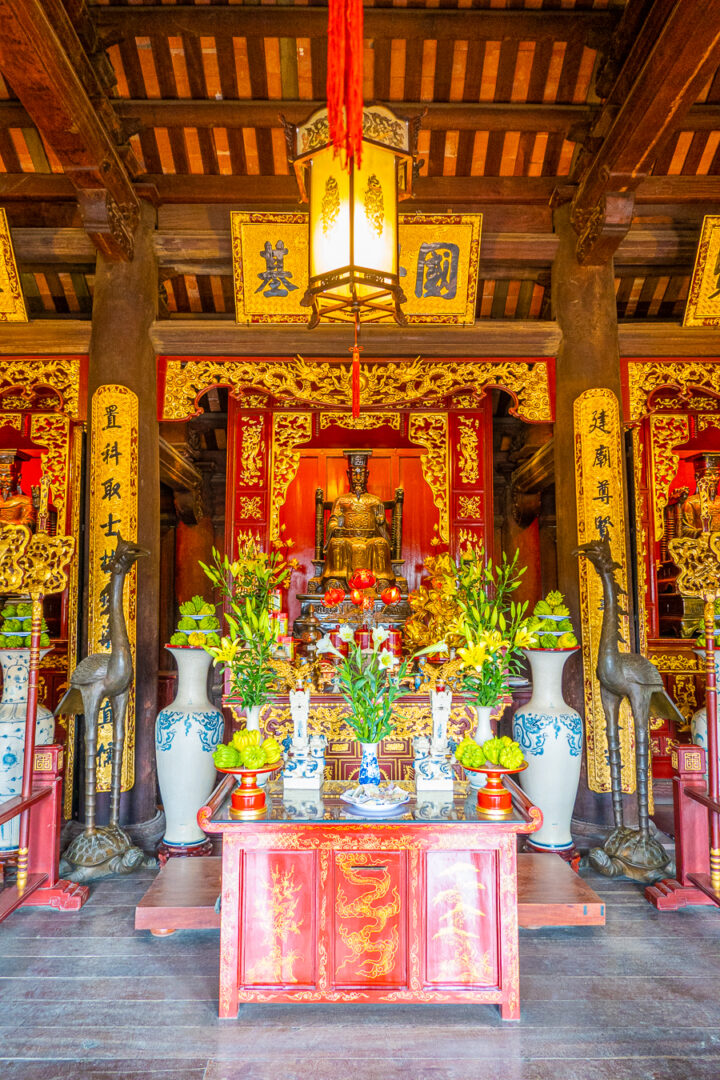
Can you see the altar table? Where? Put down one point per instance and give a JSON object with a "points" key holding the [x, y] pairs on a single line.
{"points": [[321, 905]]}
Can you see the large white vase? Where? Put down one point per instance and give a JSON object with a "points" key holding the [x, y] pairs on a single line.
{"points": [[550, 734], [186, 733], [15, 665], [698, 723]]}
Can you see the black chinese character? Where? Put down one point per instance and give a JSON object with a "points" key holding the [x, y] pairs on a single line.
{"points": [[602, 456], [105, 560], [437, 270], [111, 417], [598, 421], [111, 525], [604, 494], [112, 489], [111, 453], [602, 524], [275, 280]]}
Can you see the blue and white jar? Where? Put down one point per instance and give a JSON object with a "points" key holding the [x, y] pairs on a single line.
{"points": [[15, 665], [369, 766], [698, 723], [186, 733], [550, 734]]}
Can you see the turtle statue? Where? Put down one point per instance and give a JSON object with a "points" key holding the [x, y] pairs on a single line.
{"points": [[628, 853], [108, 850]]}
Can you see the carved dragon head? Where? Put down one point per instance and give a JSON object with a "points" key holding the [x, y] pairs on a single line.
{"points": [[126, 553], [599, 554]]}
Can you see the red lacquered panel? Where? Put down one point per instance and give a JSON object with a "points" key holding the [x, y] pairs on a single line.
{"points": [[461, 926], [279, 942], [369, 891]]}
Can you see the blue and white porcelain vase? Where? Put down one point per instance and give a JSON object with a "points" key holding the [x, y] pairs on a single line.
{"points": [[550, 734], [698, 723], [186, 733], [369, 767], [15, 665]]}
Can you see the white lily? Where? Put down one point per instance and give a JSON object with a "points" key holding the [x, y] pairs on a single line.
{"points": [[346, 633], [386, 660], [325, 645], [379, 635]]}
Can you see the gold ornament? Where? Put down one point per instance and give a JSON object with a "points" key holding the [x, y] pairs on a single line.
{"points": [[290, 430], [383, 384], [431, 431], [468, 456]]}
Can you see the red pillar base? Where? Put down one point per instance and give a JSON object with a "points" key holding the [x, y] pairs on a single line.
{"points": [[63, 895], [670, 895]]}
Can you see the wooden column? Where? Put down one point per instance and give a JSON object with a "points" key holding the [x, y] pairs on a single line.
{"points": [[124, 307], [584, 305]]}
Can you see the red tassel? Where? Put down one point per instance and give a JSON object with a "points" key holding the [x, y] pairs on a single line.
{"points": [[345, 76]]}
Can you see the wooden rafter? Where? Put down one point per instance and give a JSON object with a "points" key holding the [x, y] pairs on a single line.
{"points": [[41, 56], [672, 55]]}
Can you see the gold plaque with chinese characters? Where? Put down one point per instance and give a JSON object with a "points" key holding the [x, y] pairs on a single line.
{"points": [[703, 303], [270, 266], [599, 469], [113, 510], [439, 258], [12, 304]]}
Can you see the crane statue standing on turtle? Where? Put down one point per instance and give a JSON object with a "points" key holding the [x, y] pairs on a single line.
{"points": [[627, 852], [99, 851]]}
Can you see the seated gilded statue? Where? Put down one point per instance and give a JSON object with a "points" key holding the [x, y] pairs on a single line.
{"points": [[357, 535], [702, 510]]}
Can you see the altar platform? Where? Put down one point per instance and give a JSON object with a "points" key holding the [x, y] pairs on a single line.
{"points": [[184, 894]]}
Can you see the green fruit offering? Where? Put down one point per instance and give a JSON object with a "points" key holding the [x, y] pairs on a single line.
{"points": [[226, 757], [179, 639], [492, 749], [511, 757], [273, 750], [253, 757]]}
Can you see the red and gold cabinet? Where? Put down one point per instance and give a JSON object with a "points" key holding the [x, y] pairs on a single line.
{"points": [[337, 909]]}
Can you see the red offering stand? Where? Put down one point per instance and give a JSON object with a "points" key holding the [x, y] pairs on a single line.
{"points": [[335, 907]]}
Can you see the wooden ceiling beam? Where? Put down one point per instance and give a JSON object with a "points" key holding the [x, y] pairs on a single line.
{"points": [[488, 337], [209, 251], [672, 56], [431, 192], [590, 27], [44, 74]]}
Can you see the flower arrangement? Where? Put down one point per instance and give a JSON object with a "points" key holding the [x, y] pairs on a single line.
{"points": [[16, 627], [550, 623], [493, 626], [247, 584], [369, 682], [198, 625]]}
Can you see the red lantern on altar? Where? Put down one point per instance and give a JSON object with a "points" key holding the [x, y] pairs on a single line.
{"points": [[356, 597], [391, 595], [362, 579]]}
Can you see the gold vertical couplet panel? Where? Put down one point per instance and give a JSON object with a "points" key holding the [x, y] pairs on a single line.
{"points": [[12, 303], [113, 510], [599, 466]]}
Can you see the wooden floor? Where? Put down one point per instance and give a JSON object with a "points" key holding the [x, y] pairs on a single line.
{"points": [[86, 997]]}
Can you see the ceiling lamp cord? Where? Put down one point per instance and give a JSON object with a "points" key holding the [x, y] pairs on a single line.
{"points": [[355, 349]]}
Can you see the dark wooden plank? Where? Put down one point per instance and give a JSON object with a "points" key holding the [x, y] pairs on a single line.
{"points": [[11, 899]]}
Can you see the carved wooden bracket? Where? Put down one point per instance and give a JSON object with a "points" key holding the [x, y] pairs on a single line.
{"points": [[109, 226], [603, 228]]}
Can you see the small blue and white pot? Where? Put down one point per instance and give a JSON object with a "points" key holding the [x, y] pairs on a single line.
{"points": [[186, 733], [15, 665], [369, 767], [550, 734], [698, 723]]}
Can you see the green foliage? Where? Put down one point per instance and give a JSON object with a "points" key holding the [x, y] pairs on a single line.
{"points": [[246, 585]]}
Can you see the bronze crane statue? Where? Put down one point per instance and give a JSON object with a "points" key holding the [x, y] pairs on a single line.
{"points": [[627, 852], [100, 851]]}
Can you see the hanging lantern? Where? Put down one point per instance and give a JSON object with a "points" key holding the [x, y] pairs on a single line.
{"points": [[353, 244]]}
